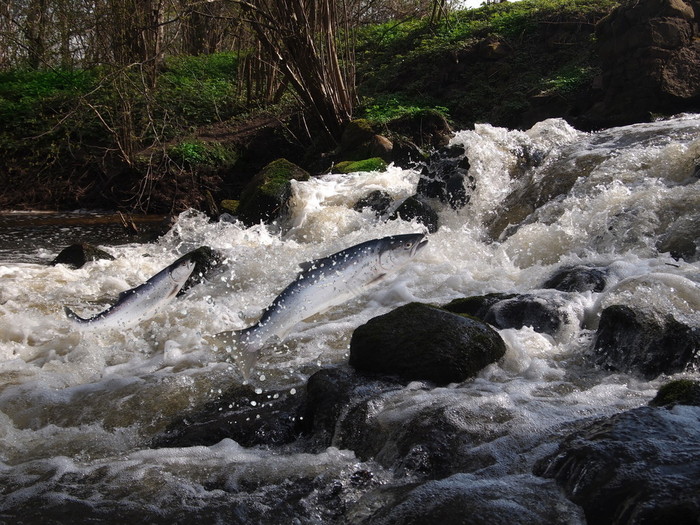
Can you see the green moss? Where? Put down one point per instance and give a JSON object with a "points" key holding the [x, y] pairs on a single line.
{"points": [[196, 152], [352, 166], [678, 392], [230, 206], [264, 198]]}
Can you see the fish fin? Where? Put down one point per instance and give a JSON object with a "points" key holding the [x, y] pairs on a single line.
{"points": [[377, 279], [125, 294], [306, 266], [312, 265], [73, 316]]}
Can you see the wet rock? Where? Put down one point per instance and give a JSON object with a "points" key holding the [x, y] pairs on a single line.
{"points": [[468, 499], [578, 279], [640, 466], [205, 260], [378, 201], [250, 418], [76, 255], [430, 440], [414, 208], [265, 197], [445, 177], [330, 393], [406, 154], [351, 166], [418, 341], [682, 239], [678, 392], [545, 315], [633, 341]]}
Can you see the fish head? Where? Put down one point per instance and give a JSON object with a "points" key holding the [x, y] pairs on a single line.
{"points": [[181, 269], [396, 250]]}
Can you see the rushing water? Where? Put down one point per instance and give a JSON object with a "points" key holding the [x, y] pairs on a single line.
{"points": [[78, 409]]}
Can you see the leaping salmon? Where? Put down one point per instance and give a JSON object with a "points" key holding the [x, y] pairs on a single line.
{"points": [[141, 302], [322, 284]]}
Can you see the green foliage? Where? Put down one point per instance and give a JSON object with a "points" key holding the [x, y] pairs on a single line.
{"points": [[568, 79], [385, 107], [195, 90], [198, 153]]}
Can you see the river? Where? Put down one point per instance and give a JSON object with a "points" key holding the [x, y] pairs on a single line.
{"points": [[78, 409]]}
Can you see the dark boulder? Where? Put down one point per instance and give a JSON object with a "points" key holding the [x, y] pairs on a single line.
{"points": [[329, 395], [650, 60], [414, 208], [265, 197], [445, 177], [205, 260], [578, 279], [417, 341], [243, 414], [543, 314], [427, 128], [76, 255], [637, 467], [406, 154], [633, 341], [378, 201]]}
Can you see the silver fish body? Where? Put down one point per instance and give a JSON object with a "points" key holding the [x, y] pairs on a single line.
{"points": [[141, 302], [325, 283]]}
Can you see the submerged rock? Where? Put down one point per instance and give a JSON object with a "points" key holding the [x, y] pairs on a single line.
{"points": [[637, 467], [545, 315], [76, 255], [578, 279], [247, 416], [417, 341], [468, 499], [264, 199], [633, 341], [330, 393]]}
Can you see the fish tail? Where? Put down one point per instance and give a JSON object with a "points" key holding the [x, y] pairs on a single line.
{"points": [[239, 345], [73, 316]]}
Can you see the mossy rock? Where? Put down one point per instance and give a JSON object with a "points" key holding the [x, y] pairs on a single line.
{"points": [[352, 166], [426, 128], [230, 206], [678, 392], [356, 134], [265, 197]]}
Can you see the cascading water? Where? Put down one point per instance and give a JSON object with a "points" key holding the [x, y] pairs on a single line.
{"points": [[78, 410]]}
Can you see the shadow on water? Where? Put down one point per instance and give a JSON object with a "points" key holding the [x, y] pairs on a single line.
{"points": [[31, 237]]}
